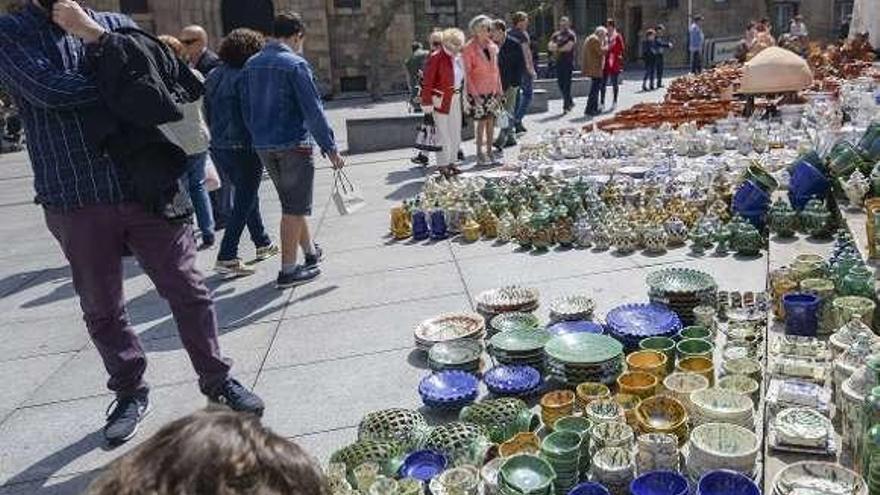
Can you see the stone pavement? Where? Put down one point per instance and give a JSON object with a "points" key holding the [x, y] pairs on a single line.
{"points": [[321, 355]]}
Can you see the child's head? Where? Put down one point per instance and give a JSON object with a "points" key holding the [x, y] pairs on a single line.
{"points": [[217, 452]]}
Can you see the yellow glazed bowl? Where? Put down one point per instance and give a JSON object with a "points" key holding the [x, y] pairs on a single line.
{"points": [[638, 383], [648, 361]]}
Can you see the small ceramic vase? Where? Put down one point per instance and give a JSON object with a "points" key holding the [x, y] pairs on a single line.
{"points": [[470, 229], [676, 230], [816, 219], [783, 219], [846, 307], [859, 282], [420, 230], [401, 223], [747, 241], [583, 232], [438, 224], [824, 289], [655, 239], [855, 188]]}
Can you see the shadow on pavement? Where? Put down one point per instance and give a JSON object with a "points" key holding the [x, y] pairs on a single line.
{"points": [[33, 479], [406, 191]]}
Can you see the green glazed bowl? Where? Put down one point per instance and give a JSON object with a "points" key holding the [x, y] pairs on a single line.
{"points": [[574, 424], [562, 445], [526, 473], [695, 332], [694, 348]]}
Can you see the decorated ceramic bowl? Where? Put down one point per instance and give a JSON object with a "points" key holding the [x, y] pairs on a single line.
{"points": [[637, 383], [521, 443], [589, 488], [694, 347], [723, 405], [575, 307], [726, 482], [741, 384], [604, 411], [629, 403], [723, 445], [561, 445], [659, 483], [590, 391], [663, 414], [558, 400], [514, 321], [648, 361], [614, 434], [525, 473], [818, 477], [700, 365], [743, 366]]}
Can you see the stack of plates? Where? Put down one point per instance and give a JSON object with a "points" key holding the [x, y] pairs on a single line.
{"points": [[682, 290], [447, 328], [574, 326], [572, 308], [448, 389], [508, 299], [584, 357], [519, 348], [461, 355], [631, 323], [513, 381], [506, 322]]}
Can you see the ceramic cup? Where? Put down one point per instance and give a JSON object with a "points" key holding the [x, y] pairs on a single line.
{"points": [[664, 345], [694, 347], [648, 361], [589, 391], [695, 332]]}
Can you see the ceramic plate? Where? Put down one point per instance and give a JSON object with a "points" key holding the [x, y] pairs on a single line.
{"points": [[514, 321], [449, 327], [583, 348], [804, 424], [455, 353], [507, 298], [680, 280], [577, 326], [643, 320], [571, 307], [511, 379], [519, 340], [448, 386], [820, 478]]}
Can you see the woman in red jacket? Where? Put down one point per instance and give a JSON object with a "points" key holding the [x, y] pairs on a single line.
{"points": [[441, 97], [613, 60]]}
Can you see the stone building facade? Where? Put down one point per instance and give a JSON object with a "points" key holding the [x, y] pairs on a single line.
{"points": [[340, 48]]}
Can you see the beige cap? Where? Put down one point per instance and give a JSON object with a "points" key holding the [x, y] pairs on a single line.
{"points": [[775, 70]]}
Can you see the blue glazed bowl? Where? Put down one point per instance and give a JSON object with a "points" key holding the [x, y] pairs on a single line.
{"points": [[589, 488], [725, 482], [749, 197], [579, 326], [423, 465], [448, 386], [512, 380], [659, 483], [806, 180]]}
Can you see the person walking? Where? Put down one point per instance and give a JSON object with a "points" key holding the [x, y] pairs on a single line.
{"points": [[592, 65], [435, 40], [661, 44], [480, 56], [283, 113], [613, 61], [519, 33], [204, 60], [512, 64], [695, 44], [441, 97], [196, 51], [649, 56], [414, 65], [562, 45], [91, 208], [232, 151], [798, 28], [191, 135]]}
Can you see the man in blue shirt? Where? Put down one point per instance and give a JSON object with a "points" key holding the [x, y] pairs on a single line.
{"points": [[283, 112], [695, 44], [89, 206]]}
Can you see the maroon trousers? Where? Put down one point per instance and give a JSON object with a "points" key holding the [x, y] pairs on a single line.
{"points": [[93, 239]]}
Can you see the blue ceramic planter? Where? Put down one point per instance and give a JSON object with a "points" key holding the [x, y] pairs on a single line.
{"points": [[589, 488], [659, 483], [806, 181], [420, 226], [439, 229], [751, 198], [813, 158], [801, 313], [725, 482]]}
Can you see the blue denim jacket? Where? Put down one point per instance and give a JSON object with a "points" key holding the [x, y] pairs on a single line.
{"points": [[223, 109], [280, 102]]}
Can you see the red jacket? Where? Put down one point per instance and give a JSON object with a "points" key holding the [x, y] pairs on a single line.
{"points": [[614, 58], [439, 82]]}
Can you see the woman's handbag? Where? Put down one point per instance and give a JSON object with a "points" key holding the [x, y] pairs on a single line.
{"points": [[426, 135], [346, 196]]}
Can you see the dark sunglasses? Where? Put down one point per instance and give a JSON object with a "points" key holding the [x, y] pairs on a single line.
{"points": [[189, 42]]}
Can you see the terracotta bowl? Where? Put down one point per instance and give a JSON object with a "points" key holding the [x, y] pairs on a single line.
{"points": [[637, 383], [648, 361]]}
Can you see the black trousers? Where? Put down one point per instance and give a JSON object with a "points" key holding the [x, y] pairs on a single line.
{"points": [[650, 71], [596, 85], [658, 70], [696, 62], [563, 77]]}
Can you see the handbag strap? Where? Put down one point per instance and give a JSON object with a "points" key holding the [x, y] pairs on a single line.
{"points": [[342, 182]]}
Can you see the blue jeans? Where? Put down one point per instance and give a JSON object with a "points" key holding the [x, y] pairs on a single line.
{"points": [[245, 171], [525, 99], [195, 181]]}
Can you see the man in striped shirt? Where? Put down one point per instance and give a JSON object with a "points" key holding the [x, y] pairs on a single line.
{"points": [[89, 207]]}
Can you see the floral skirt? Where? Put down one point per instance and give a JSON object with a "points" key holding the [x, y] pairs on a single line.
{"points": [[489, 106]]}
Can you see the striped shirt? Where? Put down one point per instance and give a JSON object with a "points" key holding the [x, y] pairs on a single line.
{"points": [[45, 71]]}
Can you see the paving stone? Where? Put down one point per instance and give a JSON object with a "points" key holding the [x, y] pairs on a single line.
{"points": [[46, 337], [65, 438], [22, 377], [167, 362], [61, 485], [362, 230], [394, 256], [322, 445], [327, 294], [358, 332], [333, 394]]}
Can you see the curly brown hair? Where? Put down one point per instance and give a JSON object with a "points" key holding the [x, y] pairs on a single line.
{"points": [[240, 45], [214, 451]]}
